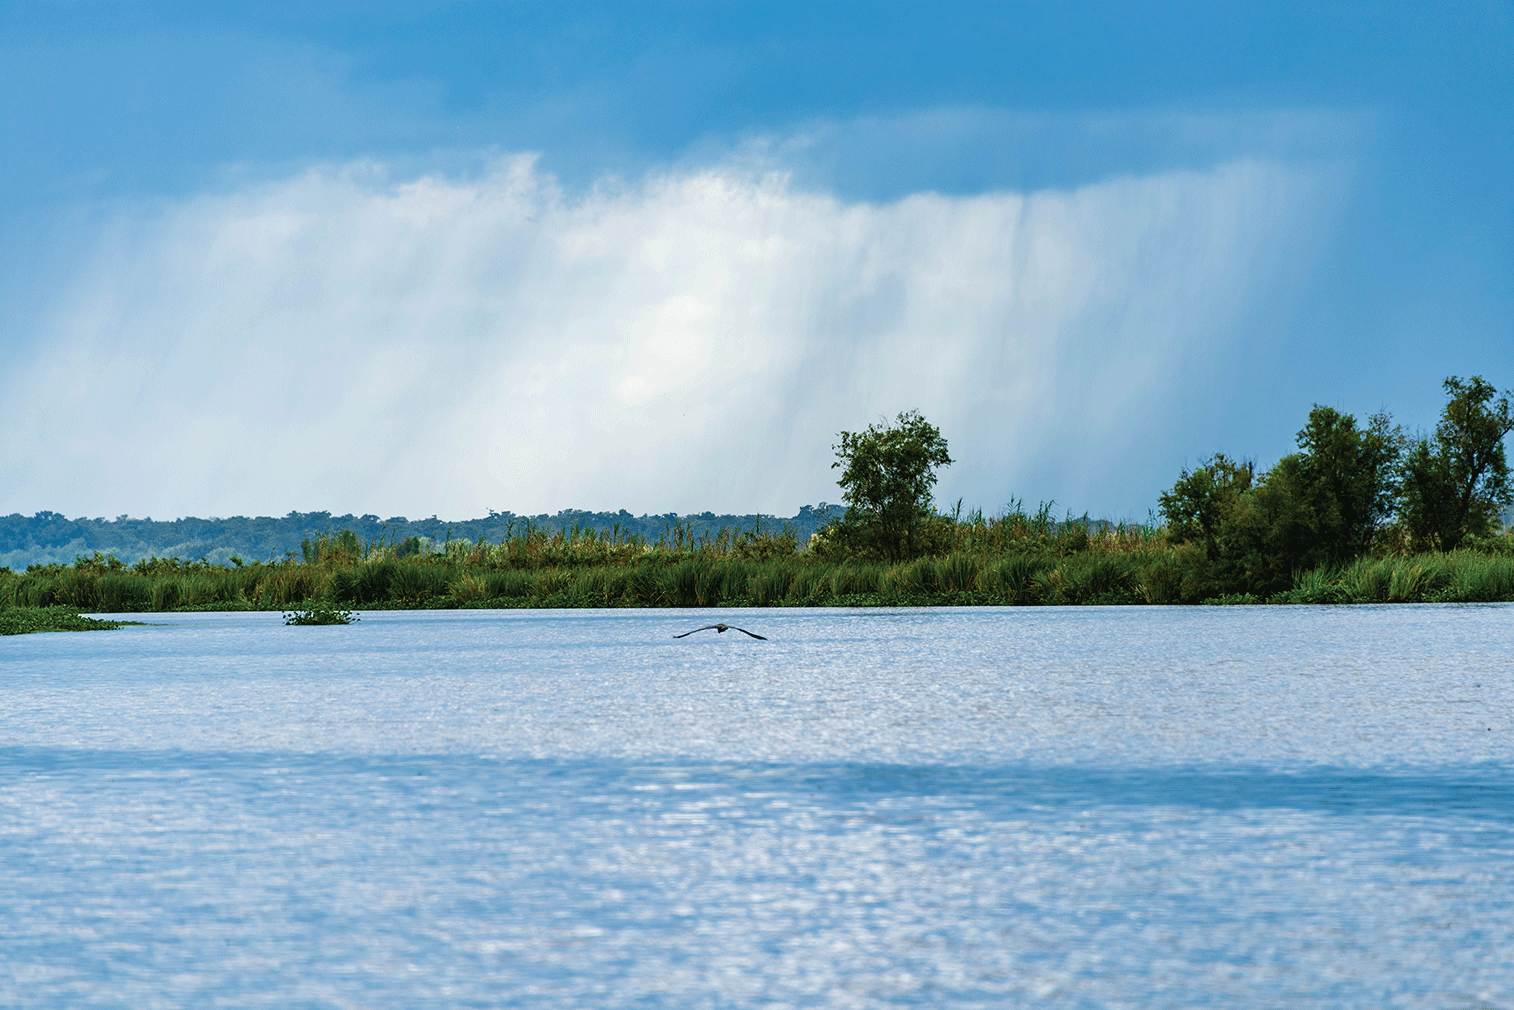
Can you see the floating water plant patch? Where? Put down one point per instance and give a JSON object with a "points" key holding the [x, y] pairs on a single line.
{"points": [[319, 613], [26, 621]]}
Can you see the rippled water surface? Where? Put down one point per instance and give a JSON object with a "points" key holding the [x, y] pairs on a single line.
{"points": [[1073, 807]]}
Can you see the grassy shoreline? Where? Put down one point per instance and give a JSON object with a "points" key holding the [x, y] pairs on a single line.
{"points": [[1017, 559], [1088, 577]]}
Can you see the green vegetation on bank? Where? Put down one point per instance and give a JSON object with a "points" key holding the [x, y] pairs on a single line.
{"points": [[1017, 559], [1357, 515], [1350, 496], [50, 538]]}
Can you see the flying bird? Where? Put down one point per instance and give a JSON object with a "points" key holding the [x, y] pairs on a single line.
{"points": [[721, 629]]}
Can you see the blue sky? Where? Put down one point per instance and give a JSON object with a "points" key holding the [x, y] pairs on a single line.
{"points": [[438, 258]]}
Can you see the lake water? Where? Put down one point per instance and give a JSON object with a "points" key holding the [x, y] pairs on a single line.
{"points": [[1072, 807]]}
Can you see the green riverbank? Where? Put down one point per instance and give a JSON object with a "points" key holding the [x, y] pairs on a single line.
{"points": [[461, 579]]}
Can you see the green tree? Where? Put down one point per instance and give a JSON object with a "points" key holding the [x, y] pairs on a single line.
{"points": [[1456, 483], [1204, 513], [1342, 488], [1203, 503], [1323, 504], [887, 476]]}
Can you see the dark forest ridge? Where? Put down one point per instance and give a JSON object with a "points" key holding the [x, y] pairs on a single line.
{"points": [[51, 538]]}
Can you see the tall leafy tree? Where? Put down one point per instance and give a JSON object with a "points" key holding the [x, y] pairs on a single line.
{"points": [[1322, 504], [1345, 479], [1456, 483], [1202, 505], [888, 472]]}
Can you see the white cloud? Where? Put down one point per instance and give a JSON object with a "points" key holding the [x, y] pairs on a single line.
{"points": [[444, 345]]}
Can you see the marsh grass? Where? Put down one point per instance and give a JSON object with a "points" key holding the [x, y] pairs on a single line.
{"points": [[1465, 576], [1015, 559]]}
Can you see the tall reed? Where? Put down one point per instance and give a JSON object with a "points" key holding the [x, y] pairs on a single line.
{"points": [[1016, 558]]}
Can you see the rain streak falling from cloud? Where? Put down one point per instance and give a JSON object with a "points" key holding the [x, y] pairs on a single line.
{"points": [[350, 341]]}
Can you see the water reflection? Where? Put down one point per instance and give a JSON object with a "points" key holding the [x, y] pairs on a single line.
{"points": [[1098, 808]]}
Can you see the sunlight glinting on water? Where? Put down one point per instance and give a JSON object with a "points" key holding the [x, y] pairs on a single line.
{"points": [[1108, 807]]}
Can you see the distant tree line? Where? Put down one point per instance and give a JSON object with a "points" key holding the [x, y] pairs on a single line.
{"points": [[1361, 512], [1351, 490], [51, 538]]}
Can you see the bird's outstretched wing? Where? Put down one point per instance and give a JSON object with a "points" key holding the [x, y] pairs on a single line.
{"points": [[722, 628]]}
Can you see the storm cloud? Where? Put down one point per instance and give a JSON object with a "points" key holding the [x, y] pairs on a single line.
{"points": [[355, 339]]}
